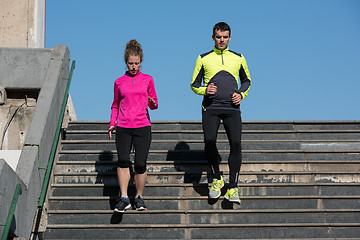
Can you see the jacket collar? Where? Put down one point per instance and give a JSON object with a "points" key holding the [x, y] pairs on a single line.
{"points": [[218, 51], [128, 74]]}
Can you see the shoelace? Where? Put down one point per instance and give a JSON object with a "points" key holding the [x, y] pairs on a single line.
{"points": [[217, 184], [233, 193], [124, 202], [140, 201]]}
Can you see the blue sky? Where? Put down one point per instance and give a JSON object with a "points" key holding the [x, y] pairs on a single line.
{"points": [[303, 56]]}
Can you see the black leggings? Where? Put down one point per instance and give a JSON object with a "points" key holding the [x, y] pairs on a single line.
{"points": [[233, 127], [141, 138]]}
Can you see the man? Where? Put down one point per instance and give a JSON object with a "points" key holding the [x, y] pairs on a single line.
{"points": [[220, 70]]}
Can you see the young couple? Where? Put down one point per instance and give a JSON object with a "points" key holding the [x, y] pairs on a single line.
{"points": [[216, 77]]}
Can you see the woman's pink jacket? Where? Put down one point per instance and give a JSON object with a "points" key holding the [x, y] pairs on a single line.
{"points": [[131, 101]]}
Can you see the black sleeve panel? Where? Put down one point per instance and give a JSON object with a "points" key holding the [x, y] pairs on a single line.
{"points": [[197, 82], [245, 85], [245, 81]]}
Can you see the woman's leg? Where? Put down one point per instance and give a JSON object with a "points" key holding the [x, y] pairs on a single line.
{"points": [[123, 146], [140, 181], [123, 178], [142, 141]]}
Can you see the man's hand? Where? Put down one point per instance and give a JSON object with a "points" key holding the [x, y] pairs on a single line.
{"points": [[211, 89], [111, 129], [236, 98]]}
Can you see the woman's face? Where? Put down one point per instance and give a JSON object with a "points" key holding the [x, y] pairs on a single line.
{"points": [[133, 64]]}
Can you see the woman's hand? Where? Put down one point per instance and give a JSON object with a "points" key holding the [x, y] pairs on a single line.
{"points": [[152, 101], [111, 129]]}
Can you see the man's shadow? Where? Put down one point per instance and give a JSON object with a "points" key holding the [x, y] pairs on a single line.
{"points": [[196, 170], [186, 160]]}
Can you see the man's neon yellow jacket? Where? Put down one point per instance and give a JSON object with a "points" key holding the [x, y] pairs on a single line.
{"points": [[223, 68]]}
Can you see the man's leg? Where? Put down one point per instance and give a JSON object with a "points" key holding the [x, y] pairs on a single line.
{"points": [[233, 127], [211, 123]]}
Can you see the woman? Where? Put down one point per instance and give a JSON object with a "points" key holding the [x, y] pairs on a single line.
{"points": [[133, 94]]}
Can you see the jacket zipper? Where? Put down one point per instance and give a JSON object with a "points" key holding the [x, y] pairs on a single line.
{"points": [[222, 58], [132, 81]]}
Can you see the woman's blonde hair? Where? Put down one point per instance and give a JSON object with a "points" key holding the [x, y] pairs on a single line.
{"points": [[133, 48]]}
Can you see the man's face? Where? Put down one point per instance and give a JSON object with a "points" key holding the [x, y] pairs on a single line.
{"points": [[221, 39]]}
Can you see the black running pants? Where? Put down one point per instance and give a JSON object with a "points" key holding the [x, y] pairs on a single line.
{"points": [[141, 138], [233, 126]]}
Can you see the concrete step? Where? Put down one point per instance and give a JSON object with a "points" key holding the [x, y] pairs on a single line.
{"points": [[202, 166], [309, 202], [275, 216], [247, 125], [221, 144], [245, 177], [205, 231], [299, 180], [279, 239], [246, 135], [156, 125], [195, 190], [251, 155]]}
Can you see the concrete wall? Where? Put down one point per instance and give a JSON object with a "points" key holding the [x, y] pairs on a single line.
{"points": [[15, 118], [23, 68], [22, 23], [51, 79], [12, 157], [23, 71], [32, 87], [7, 175]]}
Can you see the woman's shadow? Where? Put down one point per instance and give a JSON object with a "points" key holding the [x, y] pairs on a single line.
{"points": [[103, 167]]}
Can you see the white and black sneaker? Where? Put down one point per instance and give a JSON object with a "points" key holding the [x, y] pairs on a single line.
{"points": [[122, 205], [139, 204]]}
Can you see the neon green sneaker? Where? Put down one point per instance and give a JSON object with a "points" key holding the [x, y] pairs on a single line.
{"points": [[216, 186], [232, 195]]}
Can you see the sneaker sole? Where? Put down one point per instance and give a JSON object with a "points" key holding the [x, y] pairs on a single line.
{"points": [[141, 209], [217, 196], [121, 211], [234, 201]]}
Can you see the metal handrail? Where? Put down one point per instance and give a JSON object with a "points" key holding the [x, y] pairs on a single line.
{"points": [[11, 212], [49, 166], [56, 139]]}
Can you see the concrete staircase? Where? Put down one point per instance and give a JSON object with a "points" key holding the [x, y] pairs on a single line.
{"points": [[299, 180]]}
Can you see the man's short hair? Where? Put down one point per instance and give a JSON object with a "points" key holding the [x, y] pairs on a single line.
{"points": [[222, 26]]}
